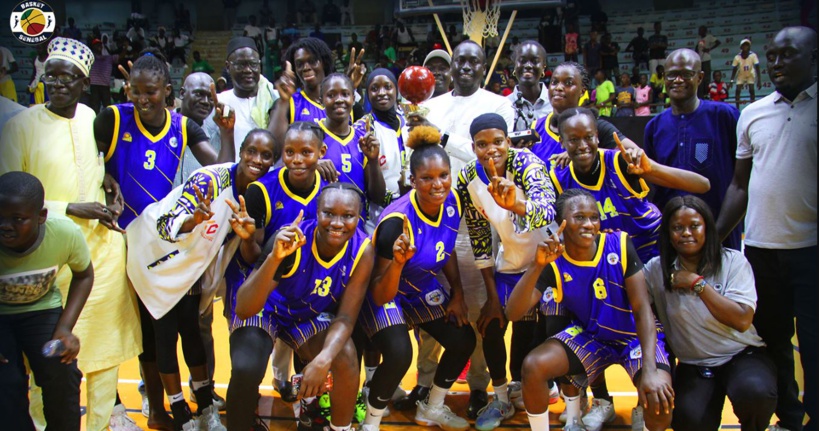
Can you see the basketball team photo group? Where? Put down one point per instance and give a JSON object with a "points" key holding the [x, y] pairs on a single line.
{"points": [[337, 215]]}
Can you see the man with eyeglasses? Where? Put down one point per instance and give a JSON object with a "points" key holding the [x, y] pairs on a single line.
{"points": [[252, 95], [55, 142], [694, 134]]}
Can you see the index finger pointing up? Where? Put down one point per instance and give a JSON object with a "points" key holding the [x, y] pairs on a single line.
{"points": [[491, 166], [560, 229], [622, 149], [406, 226], [297, 221], [213, 94]]}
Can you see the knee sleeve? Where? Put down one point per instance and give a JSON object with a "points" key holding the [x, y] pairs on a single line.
{"points": [[523, 335], [458, 344], [396, 350], [494, 351], [192, 345], [148, 335]]}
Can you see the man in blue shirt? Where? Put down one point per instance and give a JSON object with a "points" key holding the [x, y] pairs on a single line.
{"points": [[694, 134]]}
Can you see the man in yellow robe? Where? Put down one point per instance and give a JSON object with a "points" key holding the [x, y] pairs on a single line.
{"points": [[55, 142]]}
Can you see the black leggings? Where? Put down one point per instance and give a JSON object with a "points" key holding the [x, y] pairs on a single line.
{"points": [[182, 320], [396, 350], [250, 349], [148, 337], [523, 334], [494, 350]]}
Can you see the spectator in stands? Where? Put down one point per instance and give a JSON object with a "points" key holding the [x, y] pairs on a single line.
{"points": [[182, 18], [643, 97], [625, 97], [306, 12], [455, 37], [271, 33], [221, 85], [8, 110], [403, 35], [292, 32], [495, 87], [591, 52], [639, 49], [180, 45], [657, 44], [704, 297], [101, 77], [317, 33], [705, 44], [136, 35], [511, 83], [229, 13], [657, 82], [200, 64], [254, 32], [694, 134], [608, 56], [774, 181], [339, 64], [354, 44], [162, 41], [718, 90], [571, 42], [530, 98], [389, 53], [746, 70], [126, 54], [347, 14], [36, 87], [453, 113], [71, 30], [373, 41], [8, 65], [604, 93], [599, 19], [330, 13]]}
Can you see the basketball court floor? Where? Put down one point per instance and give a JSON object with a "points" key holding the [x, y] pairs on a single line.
{"points": [[279, 415]]}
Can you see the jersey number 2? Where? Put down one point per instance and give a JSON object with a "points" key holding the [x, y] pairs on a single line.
{"points": [[322, 286], [150, 160], [441, 254]]}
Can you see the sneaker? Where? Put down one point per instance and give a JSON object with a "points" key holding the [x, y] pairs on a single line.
{"points": [[368, 427], [218, 401], [361, 404], [286, 392], [418, 393], [777, 427], [462, 377], [191, 425], [310, 418], [146, 406], [554, 395], [584, 406], [441, 416], [601, 412], [209, 420], [259, 425], [516, 396], [637, 421], [493, 414], [576, 425], [477, 400], [120, 421]]}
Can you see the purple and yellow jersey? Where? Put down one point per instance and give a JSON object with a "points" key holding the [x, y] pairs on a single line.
{"points": [[621, 207], [144, 165], [348, 159], [303, 108], [434, 241], [595, 291], [313, 285], [282, 205], [549, 144]]}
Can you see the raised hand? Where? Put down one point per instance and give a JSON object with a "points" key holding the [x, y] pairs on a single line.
{"points": [[560, 160], [240, 221], [370, 147], [356, 69], [203, 212], [289, 239], [127, 86], [638, 162], [551, 248], [503, 191], [286, 84], [224, 117], [403, 249]]}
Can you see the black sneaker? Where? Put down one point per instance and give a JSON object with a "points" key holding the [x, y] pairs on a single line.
{"points": [[477, 401], [286, 392], [407, 402], [259, 425], [311, 418]]}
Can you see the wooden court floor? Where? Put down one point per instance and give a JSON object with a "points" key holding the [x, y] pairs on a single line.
{"points": [[279, 415]]}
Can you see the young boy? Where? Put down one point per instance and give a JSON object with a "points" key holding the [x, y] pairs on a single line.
{"points": [[718, 90], [33, 248], [625, 97], [746, 70]]}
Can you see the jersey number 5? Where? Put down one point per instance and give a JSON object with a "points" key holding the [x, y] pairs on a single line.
{"points": [[150, 160], [322, 286], [346, 166]]}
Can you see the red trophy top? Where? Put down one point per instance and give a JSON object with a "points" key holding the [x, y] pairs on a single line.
{"points": [[416, 84]]}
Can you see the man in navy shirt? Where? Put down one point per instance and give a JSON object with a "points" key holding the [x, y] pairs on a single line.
{"points": [[694, 134]]}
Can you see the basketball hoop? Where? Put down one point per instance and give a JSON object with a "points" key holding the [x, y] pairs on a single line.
{"points": [[481, 18]]}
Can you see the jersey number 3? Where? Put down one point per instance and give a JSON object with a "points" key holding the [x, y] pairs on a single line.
{"points": [[322, 286], [150, 160]]}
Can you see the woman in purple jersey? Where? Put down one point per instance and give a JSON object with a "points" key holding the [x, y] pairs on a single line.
{"points": [[587, 348]]}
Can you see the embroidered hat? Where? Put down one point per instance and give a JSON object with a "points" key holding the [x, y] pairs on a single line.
{"points": [[73, 51]]}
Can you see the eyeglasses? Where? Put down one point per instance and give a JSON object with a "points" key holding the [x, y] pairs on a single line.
{"points": [[242, 65], [64, 79], [686, 75]]}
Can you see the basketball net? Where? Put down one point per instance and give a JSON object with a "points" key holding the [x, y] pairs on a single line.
{"points": [[481, 18]]}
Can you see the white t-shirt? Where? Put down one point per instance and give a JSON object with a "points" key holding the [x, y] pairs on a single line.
{"points": [[695, 335], [454, 114], [244, 124], [780, 138], [252, 31], [745, 66], [707, 42], [390, 160], [7, 59]]}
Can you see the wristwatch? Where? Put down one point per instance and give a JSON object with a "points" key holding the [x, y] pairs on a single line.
{"points": [[698, 287]]}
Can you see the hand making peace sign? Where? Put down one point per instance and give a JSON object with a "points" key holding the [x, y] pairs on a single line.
{"points": [[503, 191], [551, 248], [289, 239], [203, 212], [356, 69], [240, 221]]}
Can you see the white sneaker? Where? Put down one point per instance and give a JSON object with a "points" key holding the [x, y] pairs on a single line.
{"points": [[602, 412], [368, 427], [191, 425], [637, 421], [516, 395], [441, 416], [120, 421], [584, 405], [554, 394], [146, 406], [209, 420]]}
